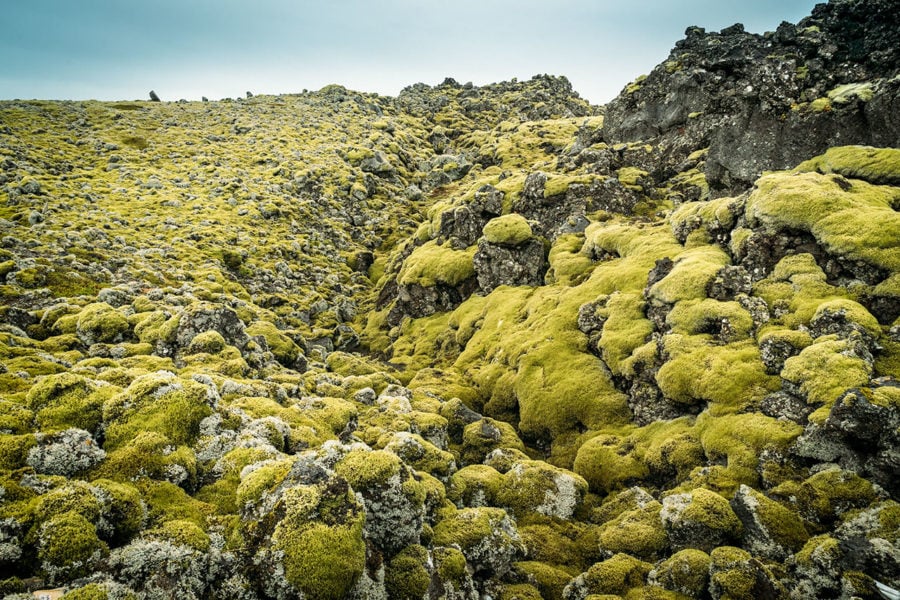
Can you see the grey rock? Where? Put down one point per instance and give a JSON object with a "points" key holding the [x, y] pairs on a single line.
{"points": [[497, 265]]}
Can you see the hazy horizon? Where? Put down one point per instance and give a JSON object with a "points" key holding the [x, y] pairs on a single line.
{"points": [[111, 50]]}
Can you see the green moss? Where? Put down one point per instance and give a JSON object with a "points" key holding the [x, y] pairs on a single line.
{"points": [[261, 480], [157, 402], [14, 450], [858, 223], [182, 533], [210, 342], [431, 264], [825, 370], [782, 524], [550, 581], [92, 591], [845, 94], [122, 507], [827, 495], [321, 559], [282, 347], [148, 454], [487, 434], [605, 467], [406, 576], [700, 316], [732, 375], [880, 166], [637, 532], [468, 527], [616, 575], [519, 591], [100, 322], [626, 329], [685, 572], [740, 439], [69, 547], [508, 230]]}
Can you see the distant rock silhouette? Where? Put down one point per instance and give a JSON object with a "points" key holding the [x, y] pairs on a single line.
{"points": [[153, 96]]}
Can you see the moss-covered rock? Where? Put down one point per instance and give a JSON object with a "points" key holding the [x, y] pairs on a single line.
{"points": [[700, 519]]}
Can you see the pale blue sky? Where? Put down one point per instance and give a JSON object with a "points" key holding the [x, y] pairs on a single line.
{"points": [[120, 49]]}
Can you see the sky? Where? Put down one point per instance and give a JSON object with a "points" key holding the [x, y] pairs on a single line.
{"points": [[121, 49]]}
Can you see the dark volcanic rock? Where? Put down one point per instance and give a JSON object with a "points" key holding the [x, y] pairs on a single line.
{"points": [[750, 97], [497, 264]]}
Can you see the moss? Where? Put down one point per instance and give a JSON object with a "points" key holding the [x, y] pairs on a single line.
{"points": [[827, 495], [685, 572], [100, 322], [568, 264], [431, 264], [637, 532], [14, 450], [474, 485], [69, 547], [825, 370], [157, 327], [782, 524], [699, 316], [845, 94], [487, 434], [148, 454], [688, 279], [858, 223], [14, 417], [122, 507], [467, 528], [261, 480], [406, 576], [91, 591], [181, 533], [601, 462], [616, 575], [323, 561], [282, 347], [740, 439], [508, 230], [157, 402], [735, 575], [880, 166], [519, 591], [732, 375], [536, 487], [626, 329], [550, 581], [210, 342]]}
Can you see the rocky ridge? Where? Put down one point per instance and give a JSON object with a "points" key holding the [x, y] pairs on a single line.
{"points": [[467, 342]]}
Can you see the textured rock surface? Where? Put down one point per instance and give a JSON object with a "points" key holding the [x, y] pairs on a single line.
{"points": [[468, 342]]}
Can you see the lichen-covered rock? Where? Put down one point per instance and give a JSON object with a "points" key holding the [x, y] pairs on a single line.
{"points": [[394, 500], [700, 519], [487, 537], [685, 572], [66, 453], [499, 264], [735, 575], [771, 530], [615, 576]]}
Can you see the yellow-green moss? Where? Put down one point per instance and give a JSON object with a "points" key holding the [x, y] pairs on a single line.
{"points": [[69, 547], [875, 165], [685, 572], [845, 94], [431, 264], [857, 223], [616, 575], [100, 322], [406, 576], [637, 532], [322, 559], [180, 532], [508, 230], [825, 370]]}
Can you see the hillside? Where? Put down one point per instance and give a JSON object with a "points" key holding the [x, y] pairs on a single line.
{"points": [[468, 342]]}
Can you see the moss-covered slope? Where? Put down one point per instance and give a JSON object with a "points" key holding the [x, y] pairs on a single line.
{"points": [[446, 345]]}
